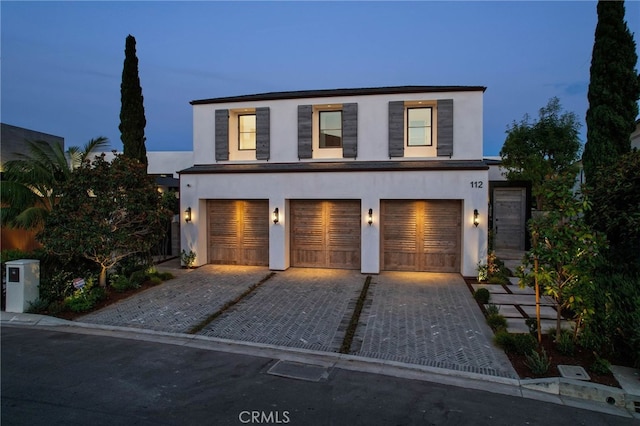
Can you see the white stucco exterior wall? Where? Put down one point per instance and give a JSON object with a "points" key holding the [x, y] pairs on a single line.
{"points": [[370, 187]]}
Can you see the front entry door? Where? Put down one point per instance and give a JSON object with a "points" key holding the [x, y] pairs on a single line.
{"points": [[509, 218]]}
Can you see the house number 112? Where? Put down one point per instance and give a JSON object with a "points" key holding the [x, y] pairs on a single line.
{"points": [[476, 184]]}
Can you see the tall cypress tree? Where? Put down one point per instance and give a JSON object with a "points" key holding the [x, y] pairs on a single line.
{"points": [[132, 120], [613, 90]]}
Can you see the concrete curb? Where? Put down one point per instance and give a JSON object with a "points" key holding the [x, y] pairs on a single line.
{"points": [[585, 395]]}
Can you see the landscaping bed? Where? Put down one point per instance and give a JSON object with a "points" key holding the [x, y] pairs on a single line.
{"points": [[581, 357]]}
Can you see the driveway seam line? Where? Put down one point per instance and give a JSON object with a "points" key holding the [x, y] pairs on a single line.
{"points": [[202, 324], [355, 318]]}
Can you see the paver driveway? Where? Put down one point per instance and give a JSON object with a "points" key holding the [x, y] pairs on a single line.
{"points": [[420, 318]]}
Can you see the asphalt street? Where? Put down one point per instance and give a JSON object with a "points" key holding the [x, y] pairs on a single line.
{"points": [[54, 378]]}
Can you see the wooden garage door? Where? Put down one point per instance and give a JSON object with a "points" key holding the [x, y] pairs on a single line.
{"points": [[325, 234], [239, 232], [421, 235]]}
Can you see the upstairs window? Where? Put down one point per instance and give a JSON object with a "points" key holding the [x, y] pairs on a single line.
{"points": [[419, 127], [246, 132], [330, 129]]}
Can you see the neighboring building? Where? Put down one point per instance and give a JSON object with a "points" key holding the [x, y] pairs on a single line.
{"points": [[373, 179], [12, 142]]}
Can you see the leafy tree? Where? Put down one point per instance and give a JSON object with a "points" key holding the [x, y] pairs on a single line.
{"points": [[31, 183], [539, 150], [565, 250], [132, 119], [614, 89], [615, 193], [107, 212]]}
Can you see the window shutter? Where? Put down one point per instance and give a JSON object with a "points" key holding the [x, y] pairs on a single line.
{"points": [[396, 129], [304, 131], [222, 134], [445, 127], [263, 133], [350, 130]]}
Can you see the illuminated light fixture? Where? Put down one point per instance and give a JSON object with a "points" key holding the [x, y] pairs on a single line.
{"points": [[475, 217], [187, 214], [370, 218], [276, 215]]}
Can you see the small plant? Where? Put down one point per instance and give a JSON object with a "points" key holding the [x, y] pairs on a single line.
{"points": [[497, 322], [532, 324], [600, 365], [37, 306], [483, 272], [482, 296], [137, 278], [492, 309], [538, 362], [188, 258], [565, 343]]}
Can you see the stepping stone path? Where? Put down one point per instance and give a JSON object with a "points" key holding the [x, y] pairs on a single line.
{"points": [[517, 304]]}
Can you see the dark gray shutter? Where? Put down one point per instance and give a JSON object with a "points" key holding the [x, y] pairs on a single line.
{"points": [[445, 127], [263, 133], [396, 129], [304, 131], [350, 130], [222, 134]]}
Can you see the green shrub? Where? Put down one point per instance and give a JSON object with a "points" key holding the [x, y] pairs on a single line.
{"points": [[121, 283], [524, 343], [84, 299], [538, 362], [499, 279], [515, 343], [165, 276], [565, 344], [497, 322], [505, 341], [600, 366], [482, 296], [139, 277], [37, 306], [155, 280]]}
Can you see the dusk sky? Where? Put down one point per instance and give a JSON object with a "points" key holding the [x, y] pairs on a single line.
{"points": [[62, 61]]}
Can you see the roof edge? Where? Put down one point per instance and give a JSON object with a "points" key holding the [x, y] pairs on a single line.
{"points": [[326, 93]]}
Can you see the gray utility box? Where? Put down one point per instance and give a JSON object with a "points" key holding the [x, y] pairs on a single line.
{"points": [[23, 279]]}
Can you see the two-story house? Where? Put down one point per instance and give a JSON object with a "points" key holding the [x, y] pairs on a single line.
{"points": [[372, 179]]}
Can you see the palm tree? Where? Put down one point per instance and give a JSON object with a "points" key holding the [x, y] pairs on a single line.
{"points": [[30, 183]]}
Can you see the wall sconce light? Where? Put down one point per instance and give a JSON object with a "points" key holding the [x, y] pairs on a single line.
{"points": [[370, 218], [475, 218], [276, 215], [187, 215]]}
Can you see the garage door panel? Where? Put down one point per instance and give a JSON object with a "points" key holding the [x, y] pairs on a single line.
{"points": [[238, 232], [421, 235], [325, 234]]}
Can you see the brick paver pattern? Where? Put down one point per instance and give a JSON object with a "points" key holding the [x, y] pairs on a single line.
{"points": [[428, 319], [301, 307], [179, 304]]}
